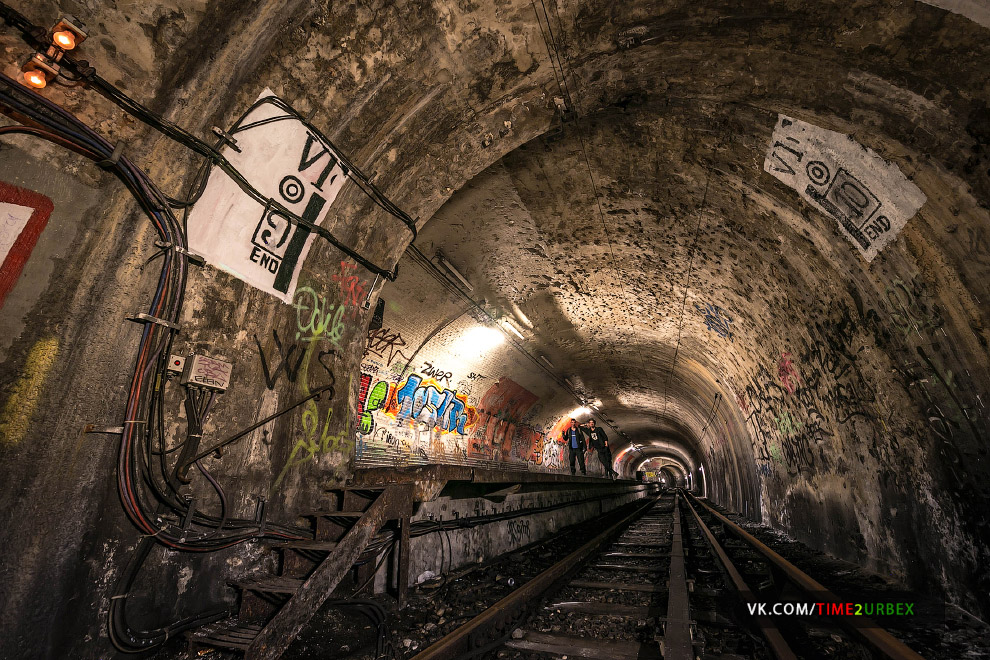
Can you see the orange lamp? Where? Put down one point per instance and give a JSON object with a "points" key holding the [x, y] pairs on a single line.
{"points": [[68, 33], [64, 39], [35, 78]]}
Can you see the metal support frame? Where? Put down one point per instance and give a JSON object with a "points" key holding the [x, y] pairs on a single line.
{"points": [[393, 503], [676, 643]]}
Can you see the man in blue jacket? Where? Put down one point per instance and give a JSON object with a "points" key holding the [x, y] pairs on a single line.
{"points": [[575, 444]]}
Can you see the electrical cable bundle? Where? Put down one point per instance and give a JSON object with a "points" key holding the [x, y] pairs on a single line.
{"points": [[143, 435], [142, 463], [83, 73]]}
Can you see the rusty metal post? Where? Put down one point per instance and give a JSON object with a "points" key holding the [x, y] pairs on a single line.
{"points": [[402, 559]]}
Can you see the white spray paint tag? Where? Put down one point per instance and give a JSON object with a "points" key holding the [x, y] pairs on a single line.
{"points": [[253, 241], [870, 198]]}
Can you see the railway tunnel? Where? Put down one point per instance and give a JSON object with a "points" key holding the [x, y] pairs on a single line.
{"points": [[263, 263]]}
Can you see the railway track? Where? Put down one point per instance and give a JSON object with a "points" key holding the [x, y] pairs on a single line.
{"points": [[675, 580]]}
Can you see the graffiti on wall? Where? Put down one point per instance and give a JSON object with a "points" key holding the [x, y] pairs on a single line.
{"points": [[796, 417], [787, 373], [503, 407], [421, 417], [820, 391], [258, 242], [386, 345], [352, 289], [306, 363], [716, 320]]}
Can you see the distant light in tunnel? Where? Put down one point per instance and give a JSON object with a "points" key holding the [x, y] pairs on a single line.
{"points": [[477, 341]]}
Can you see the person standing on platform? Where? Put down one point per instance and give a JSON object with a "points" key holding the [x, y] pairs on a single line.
{"points": [[575, 444], [599, 442]]}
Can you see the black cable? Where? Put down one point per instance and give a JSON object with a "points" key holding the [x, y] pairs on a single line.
{"points": [[146, 403], [375, 571], [180, 135], [431, 268], [680, 323], [123, 637]]}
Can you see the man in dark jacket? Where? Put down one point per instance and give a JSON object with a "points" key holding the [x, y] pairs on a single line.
{"points": [[599, 442], [575, 444]]}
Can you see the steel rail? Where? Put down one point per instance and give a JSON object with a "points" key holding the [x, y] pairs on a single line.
{"points": [[778, 645], [866, 629], [504, 616]]}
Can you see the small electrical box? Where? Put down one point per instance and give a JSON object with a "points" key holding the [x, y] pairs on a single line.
{"points": [[202, 371], [176, 363]]}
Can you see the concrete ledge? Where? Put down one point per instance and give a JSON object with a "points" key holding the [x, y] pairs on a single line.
{"points": [[430, 480]]}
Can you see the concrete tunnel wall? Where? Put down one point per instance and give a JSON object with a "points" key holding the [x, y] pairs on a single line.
{"points": [[851, 393]]}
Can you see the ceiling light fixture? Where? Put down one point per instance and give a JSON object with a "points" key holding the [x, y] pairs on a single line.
{"points": [[523, 319], [43, 66], [453, 271], [477, 341], [511, 328], [68, 33], [39, 70]]}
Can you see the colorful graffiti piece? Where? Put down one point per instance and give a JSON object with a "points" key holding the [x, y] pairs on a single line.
{"points": [[417, 399], [502, 407]]}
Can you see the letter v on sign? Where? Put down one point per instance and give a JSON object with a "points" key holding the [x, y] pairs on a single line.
{"points": [[309, 160]]}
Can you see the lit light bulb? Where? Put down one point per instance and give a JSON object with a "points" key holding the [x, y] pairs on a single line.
{"points": [[64, 39], [35, 78]]}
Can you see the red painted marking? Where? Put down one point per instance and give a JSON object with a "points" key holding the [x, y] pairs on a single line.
{"points": [[13, 264]]}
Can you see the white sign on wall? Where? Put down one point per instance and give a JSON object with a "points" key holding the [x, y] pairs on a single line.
{"points": [[869, 198], [255, 242], [13, 219]]}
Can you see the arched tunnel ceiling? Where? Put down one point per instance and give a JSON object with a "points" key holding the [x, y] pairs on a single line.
{"points": [[617, 232], [607, 179]]}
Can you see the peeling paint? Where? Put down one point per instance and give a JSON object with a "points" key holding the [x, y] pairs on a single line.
{"points": [[26, 392]]}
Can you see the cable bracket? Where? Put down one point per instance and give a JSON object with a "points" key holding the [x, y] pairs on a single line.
{"points": [[112, 430], [107, 163], [226, 138], [148, 318], [193, 257]]}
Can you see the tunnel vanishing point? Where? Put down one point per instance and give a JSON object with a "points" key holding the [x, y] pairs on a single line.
{"points": [[250, 252]]}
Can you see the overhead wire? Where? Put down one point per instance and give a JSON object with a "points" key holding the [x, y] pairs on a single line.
{"points": [[553, 51], [433, 270], [687, 283]]}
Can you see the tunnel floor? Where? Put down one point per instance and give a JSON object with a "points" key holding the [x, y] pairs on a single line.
{"points": [[439, 605]]}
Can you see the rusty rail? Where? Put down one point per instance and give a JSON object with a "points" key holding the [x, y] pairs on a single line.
{"points": [[866, 630], [503, 617], [776, 641], [677, 626]]}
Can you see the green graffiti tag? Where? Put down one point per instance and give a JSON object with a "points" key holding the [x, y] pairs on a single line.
{"points": [[376, 399], [316, 318]]}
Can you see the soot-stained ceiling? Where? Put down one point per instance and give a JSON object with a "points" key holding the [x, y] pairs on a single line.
{"points": [[669, 269]]}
